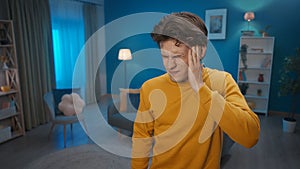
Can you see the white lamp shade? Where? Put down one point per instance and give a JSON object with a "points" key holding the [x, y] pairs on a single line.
{"points": [[249, 16], [125, 54]]}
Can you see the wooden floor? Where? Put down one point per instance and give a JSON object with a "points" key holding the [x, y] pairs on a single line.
{"points": [[275, 149]]}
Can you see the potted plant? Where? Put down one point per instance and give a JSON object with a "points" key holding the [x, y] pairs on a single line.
{"points": [[264, 32], [290, 86]]}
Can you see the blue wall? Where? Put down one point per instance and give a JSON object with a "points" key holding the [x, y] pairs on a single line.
{"points": [[281, 15]]}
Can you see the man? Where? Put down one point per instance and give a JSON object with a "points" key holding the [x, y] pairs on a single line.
{"points": [[182, 114]]}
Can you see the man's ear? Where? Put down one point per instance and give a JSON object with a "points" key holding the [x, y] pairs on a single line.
{"points": [[203, 52]]}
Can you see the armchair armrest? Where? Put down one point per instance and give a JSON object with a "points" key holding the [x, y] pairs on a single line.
{"points": [[119, 119], [111, 111]]}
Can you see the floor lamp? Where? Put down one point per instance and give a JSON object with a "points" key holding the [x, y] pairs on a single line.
{"points": [[125, 54]]}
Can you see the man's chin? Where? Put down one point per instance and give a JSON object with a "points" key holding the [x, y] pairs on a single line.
{"points": [[177, 79]]}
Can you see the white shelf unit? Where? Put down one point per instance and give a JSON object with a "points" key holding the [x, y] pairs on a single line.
{"points": [[259, 59], [11, 111]]}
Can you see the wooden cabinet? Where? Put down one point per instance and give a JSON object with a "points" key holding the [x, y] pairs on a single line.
{"points": [[11, 112], [254, 71]]}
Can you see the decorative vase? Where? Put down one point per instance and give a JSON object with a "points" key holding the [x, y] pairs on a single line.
{"points": [[264, 34], [261, 77], [4, 66], [259, 91]]}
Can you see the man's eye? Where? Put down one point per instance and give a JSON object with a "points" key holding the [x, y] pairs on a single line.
{"points": [[177, 56]]}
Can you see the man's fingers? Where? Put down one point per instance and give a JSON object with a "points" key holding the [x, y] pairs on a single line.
{"points": [[199, 50], [190, 53], [195, 55]]}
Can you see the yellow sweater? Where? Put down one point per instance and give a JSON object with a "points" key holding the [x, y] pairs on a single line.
{"points": [[181, 129]]}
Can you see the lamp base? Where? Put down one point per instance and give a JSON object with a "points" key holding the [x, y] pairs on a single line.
{"points": [[247, 33]]}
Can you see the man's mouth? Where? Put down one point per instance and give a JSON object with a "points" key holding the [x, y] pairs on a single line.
{"points": [[173, 73]]}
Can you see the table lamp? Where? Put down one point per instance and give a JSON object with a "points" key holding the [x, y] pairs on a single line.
{"points": [[248, 16]]}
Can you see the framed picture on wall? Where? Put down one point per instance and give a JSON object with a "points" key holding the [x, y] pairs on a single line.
{"points": [[215, 20]]}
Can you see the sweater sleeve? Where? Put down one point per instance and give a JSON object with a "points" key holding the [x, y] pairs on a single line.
{"points": [[231, 112], [142, 134]]}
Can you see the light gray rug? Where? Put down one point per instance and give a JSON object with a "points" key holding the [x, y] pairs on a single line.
{"points": [[88, 156]]}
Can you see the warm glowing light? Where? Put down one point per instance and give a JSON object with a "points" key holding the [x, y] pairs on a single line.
{"points": [[249, 16], [125, 54]]}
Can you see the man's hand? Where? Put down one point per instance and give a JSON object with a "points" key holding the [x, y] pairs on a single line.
{"points": [[195, 68]]}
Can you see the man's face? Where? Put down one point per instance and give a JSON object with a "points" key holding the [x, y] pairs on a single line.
{"points": [[175, 60]]}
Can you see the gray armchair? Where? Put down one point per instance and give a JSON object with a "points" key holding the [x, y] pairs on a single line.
{"points": [[116, 119], [125, 107], [56, 117]]}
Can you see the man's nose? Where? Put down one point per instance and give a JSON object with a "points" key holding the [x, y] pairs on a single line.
{"points": [[171, 63]]}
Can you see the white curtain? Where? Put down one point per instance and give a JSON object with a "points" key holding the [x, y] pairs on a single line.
{"points": [[93, 48]]}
